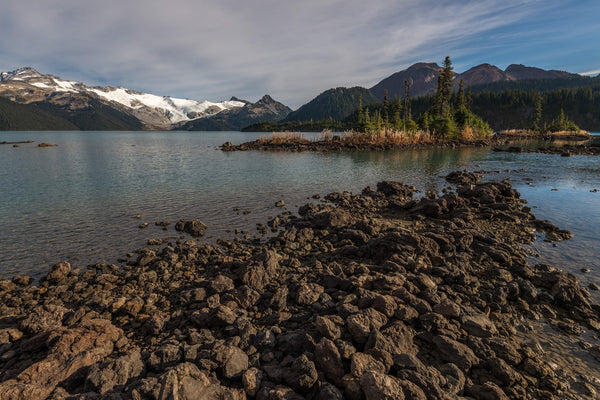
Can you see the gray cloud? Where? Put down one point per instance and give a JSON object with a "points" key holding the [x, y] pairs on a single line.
{"points": [[214, 49]]}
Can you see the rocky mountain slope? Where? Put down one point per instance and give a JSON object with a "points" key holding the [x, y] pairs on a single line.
{"points": [[423, 77], [234, 119], [118, 106]]}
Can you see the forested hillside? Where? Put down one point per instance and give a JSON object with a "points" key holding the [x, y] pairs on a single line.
{"points": [[27, 117], [333, 104], [515, 109]]}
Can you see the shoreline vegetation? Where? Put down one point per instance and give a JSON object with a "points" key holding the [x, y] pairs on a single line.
{"points": [[449, 122], [374, 295], [389, 139]]}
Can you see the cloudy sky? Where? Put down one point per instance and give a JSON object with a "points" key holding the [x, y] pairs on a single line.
{"points": [[293, 50]]}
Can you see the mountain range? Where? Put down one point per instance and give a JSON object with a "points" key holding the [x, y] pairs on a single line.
{"points": [[31, 100], [114, 108], [424, 76]]}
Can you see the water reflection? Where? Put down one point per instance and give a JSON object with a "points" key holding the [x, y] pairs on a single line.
{"points": [[78, 201]]}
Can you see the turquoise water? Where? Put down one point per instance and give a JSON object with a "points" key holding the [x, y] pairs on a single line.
{"points": [[79, 201]]}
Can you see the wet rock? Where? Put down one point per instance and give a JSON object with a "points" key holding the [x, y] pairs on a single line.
{"points": [[401, 190], [463, 178], [58, 272], [194, 227], [22, 280]]}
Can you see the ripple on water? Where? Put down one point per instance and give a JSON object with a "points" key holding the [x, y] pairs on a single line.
{"points": [[78, 201]]}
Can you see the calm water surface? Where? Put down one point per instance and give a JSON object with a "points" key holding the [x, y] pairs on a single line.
{"points": [[79, 201]]}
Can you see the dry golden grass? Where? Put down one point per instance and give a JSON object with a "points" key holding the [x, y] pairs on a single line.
{"points": [[467, 133], [386, 137], [528, 132], [283, 137]]}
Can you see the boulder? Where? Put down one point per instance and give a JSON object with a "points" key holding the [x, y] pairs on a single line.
{"points": [[194, 227], [70, 350]]}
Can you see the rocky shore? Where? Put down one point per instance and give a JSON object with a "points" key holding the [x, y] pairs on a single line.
{"points": [[339, 145], [371, 296], [589, 148]]}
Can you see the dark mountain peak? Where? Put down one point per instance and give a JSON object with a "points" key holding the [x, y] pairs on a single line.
{"points": [[266, 99], [234, 98], [520, 71], [423, 78], [424, 65], [482, 73]]}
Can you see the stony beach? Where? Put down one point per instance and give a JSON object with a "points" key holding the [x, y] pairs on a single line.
{"points": [[379, 295]]}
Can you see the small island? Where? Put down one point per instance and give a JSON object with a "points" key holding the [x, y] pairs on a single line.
{"points": [[448, 123]]}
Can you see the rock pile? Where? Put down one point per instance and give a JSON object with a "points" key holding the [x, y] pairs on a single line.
{"points": [[370, 296]]}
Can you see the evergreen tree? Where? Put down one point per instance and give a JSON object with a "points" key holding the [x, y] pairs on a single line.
{"points": [[537, 116], [460, 98], [407, 115], [444, 90], [468, 98], [396, 110], [385, 107]]}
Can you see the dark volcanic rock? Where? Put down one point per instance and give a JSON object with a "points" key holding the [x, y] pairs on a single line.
{"points": [[194, 227], [369, 296]]}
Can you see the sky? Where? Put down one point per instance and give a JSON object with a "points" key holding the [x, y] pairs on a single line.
{"points": [[292, 50]]}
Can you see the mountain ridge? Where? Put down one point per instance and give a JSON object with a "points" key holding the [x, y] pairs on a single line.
{"points": [[107, 107], [423, 77]]}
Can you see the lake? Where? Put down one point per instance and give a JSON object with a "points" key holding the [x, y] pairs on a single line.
{"points": [[80, 201]]}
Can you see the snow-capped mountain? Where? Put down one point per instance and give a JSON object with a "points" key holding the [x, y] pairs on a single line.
{"points": [[26, 85]]}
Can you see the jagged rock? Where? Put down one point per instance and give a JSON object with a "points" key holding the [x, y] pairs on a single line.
{"points": [[302, 375], [233, 361], [328, 360], [454, 352], [69, 351], [378, 386], [194, 227], [252, 379], [362, 363], [327, 328], [58, 272], [185, 382], [487, 391], [166, 356], [479, 325], [43, 318], [102, 377]]}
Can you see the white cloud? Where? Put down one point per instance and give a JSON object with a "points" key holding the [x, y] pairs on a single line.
{"points": [[207, 49], [590, 73]]}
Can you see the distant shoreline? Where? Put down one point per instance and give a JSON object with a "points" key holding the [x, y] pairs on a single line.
{"points": [[295, 142]]}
